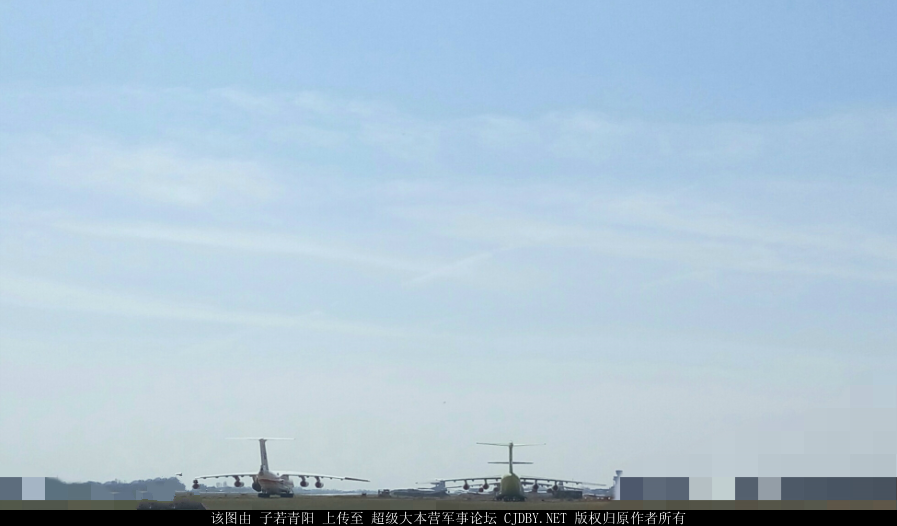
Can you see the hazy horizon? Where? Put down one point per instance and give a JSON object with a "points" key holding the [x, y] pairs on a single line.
{"points": [[657, 238]]}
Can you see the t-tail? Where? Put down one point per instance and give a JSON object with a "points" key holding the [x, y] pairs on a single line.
{"points": [[510, 446], [263, 452]]}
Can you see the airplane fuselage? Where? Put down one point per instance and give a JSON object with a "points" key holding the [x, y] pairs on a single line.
{"points": [[418, 493], [271, 483], [510, 488]]}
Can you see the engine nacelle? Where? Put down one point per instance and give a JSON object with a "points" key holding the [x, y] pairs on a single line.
{"points": [[485, 485], [304, 483], [480, 490], [195, 484], [554, 488], [319, 484], [256, 486], [535, 488], [238, 484], [466, 486]]}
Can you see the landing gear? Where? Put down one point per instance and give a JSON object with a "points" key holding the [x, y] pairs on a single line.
{"points": [[286, 495], [264, 495]]}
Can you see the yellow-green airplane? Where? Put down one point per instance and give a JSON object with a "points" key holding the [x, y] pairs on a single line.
{"points": [[511, 486]]}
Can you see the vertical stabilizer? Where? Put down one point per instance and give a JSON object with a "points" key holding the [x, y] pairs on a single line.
{"points": [[510, 446], [264, 453]]}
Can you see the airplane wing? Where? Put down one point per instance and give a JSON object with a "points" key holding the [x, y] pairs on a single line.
{"points": [[227, 475], [530, 480], [470, 479], [315, 475]]}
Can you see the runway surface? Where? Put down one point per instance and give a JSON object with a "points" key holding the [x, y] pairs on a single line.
{"points": [[354, 503], [462, 503]]}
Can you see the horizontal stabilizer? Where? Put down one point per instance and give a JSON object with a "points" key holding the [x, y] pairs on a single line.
{"points": [[258, 438], [507, 444]]}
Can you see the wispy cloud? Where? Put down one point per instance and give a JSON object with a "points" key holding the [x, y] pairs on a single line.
{"points": [[316, 119], [161, 174], [690, 218], [164, 175], [34, 292], [706, 238], [705, 231], [830, 145], [803, 147], [459, 267], [426, 271], [262, 242]]}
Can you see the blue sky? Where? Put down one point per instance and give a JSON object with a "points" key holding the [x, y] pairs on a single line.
{"points": [[657, 237]]}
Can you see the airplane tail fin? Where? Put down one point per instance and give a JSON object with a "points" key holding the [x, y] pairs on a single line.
{"points": [[263, 452], [510, 446]]}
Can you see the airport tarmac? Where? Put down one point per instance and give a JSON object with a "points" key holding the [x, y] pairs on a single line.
{"points": [[456, 503], [478, 502]]}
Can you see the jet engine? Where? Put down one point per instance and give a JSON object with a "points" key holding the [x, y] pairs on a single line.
{"points": [[466, 486], [195, 484], [535, 487], [319, 484], [554, 488], [256, 486], [304, 483], [238, 484], [485, 485]]}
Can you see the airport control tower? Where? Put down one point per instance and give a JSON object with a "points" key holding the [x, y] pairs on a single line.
{"points": [[617, 477]]}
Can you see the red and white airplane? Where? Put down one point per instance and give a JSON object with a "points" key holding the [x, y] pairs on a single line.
{"points": [[268, 483]]}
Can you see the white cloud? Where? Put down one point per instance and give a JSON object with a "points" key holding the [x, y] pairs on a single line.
{"points": [[161, 174], [259, 241], [504, 133], [705, 232], [457, 268], [856, 145], [24, 290], [428, 270], [652, 227]]}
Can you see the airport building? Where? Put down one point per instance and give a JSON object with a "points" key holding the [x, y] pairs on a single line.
{"points": [[755, 488]]}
